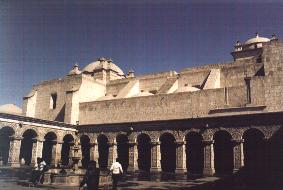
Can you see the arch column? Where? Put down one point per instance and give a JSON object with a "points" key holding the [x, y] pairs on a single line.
{"points": [[180, 157], [71, 153], [112, 153], [155, 157], [94, 152], [37, 146], [14, 152], [133, 157], [238, 154], [56, 152], [208, 169]]}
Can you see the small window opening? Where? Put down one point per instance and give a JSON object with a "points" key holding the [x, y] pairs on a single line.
{"points": [[53, 101]]}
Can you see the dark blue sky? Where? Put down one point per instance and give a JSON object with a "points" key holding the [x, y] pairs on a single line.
{"points": [[41, 40]]}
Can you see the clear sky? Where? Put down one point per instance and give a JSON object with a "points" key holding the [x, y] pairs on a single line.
{"points": [[42, 39]]}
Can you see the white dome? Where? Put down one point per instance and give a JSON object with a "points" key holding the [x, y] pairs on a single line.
{"points": [[10, 109], [256, 40], [102, 63]]}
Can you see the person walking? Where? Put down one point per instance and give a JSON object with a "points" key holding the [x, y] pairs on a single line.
{"points": [[91, 178], [116, 170], [38, 172]]}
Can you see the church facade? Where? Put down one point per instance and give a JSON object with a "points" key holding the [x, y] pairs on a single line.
{"points": [[207, 120]]}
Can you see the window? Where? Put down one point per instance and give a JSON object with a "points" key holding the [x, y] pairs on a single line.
{"points": [[53, 101]]}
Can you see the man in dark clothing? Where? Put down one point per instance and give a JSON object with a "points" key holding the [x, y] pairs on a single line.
{"points": [[91, 178]]}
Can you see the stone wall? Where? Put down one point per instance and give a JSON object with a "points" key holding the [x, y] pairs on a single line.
{"points": [[160, 107], [60, 87]]}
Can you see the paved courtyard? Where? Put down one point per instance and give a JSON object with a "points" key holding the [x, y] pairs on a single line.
{"points": [[15, 184]]}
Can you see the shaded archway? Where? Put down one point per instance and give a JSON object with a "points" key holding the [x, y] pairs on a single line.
{"points": [[68, 142], [254, 150], [85, 145], [168, 152], [194, 153], [144, 152], [26, 145], [123, 150], [103, 151], [50, 139], [223, 153], [5, 134]]}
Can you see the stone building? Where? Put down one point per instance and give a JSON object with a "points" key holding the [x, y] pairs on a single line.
{"points": [[211, 119]]}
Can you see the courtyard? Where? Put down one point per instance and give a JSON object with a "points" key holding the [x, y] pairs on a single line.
{"points": [[128, 182]]}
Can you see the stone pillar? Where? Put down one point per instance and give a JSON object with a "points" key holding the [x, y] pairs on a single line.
{"points": [[37, 146], [56, 152], [112, 153], [71, 153], [155, 157], [180, 157], [94, 152], [133, 157], [208, 169], [14, 152], [238, 154]]}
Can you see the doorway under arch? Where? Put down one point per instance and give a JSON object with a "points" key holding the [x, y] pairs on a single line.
{"points": [[194, 153], [26, 145], [49, 141], [144, 152], [253, 150], [103, 151], [85, 145], [168, 153], [123, 150], [223, 153], [68, 142], [5, 134]]}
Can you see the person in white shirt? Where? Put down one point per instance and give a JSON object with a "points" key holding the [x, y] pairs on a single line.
{"points": [[116, 170], [38, 172]]}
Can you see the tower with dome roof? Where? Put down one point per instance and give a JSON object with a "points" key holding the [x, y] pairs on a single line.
{"points": [[252, 48]]}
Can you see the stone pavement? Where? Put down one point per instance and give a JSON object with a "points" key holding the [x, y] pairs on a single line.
{"points": [[130, 184]]}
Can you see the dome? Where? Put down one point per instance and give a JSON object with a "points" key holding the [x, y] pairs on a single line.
{"points": [[102, 63], [10, 109], [257, 39]]}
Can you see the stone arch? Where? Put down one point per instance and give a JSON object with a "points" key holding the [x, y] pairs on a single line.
{"points": [[192, 130], [66, 151], [25, 128], [223, 152], [50, 141], [123, 150], [264, 130], [85, 147], [194, 153], [153, 135], [254, 150], [13, 126], [167, 132], [27, 143], [168, 152], [103, 151], [144, 152], [5, 133]]}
